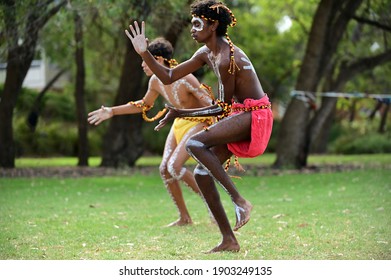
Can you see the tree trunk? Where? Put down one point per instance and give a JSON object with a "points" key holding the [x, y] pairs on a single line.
{"points": [[16, 71], [319, 144], [12, 86], [32, 118], [293, 132], [292, 136], [19, 59], [377, 108], [82, 151], [325, 114], [329, 24], [383, 120], [321, 124], [176, 27], [352, 110], [123, 141]]}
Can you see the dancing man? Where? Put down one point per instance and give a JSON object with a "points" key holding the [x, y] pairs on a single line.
{"points": [[243, 109], [184, 93]]}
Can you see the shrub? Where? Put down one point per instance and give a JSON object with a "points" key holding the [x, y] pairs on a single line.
{"points": [[370, 143], [49, 139], [154, 140]]}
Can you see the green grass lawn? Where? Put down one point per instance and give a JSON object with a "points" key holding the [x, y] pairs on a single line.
{"points": [[266, 159], [303, 216]]}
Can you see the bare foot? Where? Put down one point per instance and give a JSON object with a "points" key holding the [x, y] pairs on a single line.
{"points": [[226, 246], [180, 223], [242, 214]]}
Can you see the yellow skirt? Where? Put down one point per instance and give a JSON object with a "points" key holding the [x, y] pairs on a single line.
{"points": [[183, 125]]}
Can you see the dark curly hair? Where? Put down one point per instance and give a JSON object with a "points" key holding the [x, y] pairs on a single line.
{"points": [[161, 47], [203, 8]]}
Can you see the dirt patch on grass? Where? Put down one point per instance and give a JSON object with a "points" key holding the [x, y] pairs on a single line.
{"points": [[64, 172], [250, 170]]}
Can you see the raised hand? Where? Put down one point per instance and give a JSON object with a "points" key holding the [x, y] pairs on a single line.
{"points": [[171, 114], [140, 43], [100, 115]]}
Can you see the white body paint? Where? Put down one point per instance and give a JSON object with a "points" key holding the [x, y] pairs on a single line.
{"points": [[174, 98], [215, 62], [249, 66]]}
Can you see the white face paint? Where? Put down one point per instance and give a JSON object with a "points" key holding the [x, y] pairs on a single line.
{"points": [[197, 24]]}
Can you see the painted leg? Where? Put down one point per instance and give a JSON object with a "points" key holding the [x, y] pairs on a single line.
{"points": [[212, 199], [172, 183], [242, 212], [175, 192], [212, 163], [189, 180], [176, 163]]}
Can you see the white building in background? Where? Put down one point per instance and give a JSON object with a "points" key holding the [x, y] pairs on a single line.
{"points": [[39, 75]]}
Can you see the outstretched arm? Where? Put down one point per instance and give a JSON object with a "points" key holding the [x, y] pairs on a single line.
{"points": [[165, 74], [98, 116], [136, 107]]}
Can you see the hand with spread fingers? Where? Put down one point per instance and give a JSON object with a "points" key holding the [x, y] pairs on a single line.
{"points": [[137, 37], [100, 115]]}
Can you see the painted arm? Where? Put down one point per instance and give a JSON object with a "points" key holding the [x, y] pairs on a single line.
{"points": [[103, 113]]}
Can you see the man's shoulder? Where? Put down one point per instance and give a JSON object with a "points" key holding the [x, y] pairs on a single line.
{"points": [[189, 78], [240, 52], [154, 82], [154, 79], [202, 50]]}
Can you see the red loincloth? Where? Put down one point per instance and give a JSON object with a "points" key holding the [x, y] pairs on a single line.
{"points": [[261, 129]]}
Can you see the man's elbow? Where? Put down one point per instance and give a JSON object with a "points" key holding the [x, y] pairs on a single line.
{"points": [[166, 81]]}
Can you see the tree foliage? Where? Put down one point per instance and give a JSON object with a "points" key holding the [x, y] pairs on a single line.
{"points": [[324, 69], [292, 44]]}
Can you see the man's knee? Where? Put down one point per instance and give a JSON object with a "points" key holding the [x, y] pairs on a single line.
{"points": [[165, 174], [192, 145], [200, 171], [176, 171]]}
